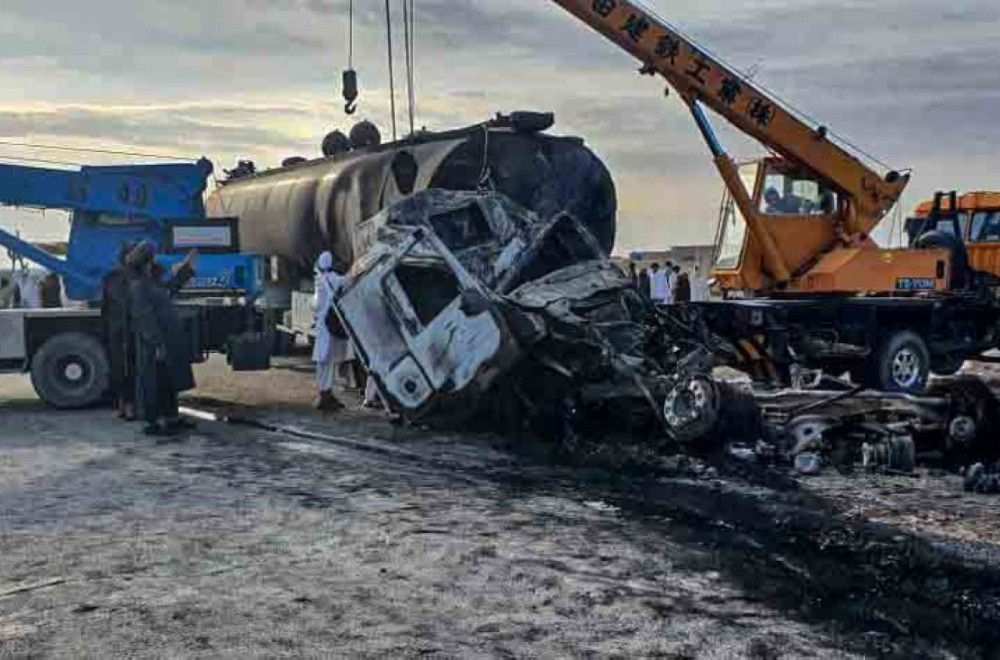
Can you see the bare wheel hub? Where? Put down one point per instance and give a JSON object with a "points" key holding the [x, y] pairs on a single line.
{"points": [[691, 408], [906, 368], [73, 372]]}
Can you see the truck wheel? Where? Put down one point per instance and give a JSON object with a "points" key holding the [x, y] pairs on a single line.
{"points": [[70, 370], [902, 364]]}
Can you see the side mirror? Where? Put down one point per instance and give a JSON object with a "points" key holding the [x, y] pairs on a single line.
{"points": [[474, 303]]}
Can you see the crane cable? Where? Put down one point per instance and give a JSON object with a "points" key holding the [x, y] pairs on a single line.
{"points": [[392, 84], [408, 33], [93, 150]]}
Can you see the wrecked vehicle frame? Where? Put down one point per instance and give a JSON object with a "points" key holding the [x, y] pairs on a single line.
{"points": [[461, 293]]}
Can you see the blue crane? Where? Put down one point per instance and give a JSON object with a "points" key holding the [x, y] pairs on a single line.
{"points": [[114, 205]]}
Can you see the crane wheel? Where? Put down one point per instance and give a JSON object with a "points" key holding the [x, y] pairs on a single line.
{"points": [[70, 370], [902, 364]]}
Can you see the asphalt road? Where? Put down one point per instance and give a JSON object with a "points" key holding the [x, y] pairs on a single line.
{"points": [[345, 535]]}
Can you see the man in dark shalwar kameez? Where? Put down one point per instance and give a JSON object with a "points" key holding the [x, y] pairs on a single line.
{"points": [[163, 354], [116, 314]]}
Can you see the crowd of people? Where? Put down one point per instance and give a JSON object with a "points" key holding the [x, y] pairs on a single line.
{"points": [[24, 289], [150, 356], [670, 284]]}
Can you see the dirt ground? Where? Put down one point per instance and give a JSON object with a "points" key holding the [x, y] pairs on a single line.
{"points": [[348, 536]]}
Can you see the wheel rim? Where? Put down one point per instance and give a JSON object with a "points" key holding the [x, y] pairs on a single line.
{"points": [[72, 372], [688, 407], [906, 368]]}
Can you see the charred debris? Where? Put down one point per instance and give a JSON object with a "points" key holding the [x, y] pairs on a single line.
{"points": [[469, 309]]}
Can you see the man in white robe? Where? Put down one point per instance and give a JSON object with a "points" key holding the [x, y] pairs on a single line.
{"points": [[659, 285], [699, 286], [329, 351]]}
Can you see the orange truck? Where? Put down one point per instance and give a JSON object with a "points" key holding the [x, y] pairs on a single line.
{"points": [[794, 241]]}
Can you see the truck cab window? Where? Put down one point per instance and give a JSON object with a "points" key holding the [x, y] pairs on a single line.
{"points": [[985, 227], [428, 288], [462, 228], [947, 225]]}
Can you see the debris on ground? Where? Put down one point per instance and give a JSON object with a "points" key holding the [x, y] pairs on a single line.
{"points": [[980, 478]]}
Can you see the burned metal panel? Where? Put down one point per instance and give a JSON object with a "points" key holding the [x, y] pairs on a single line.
{"points": [[547, 175], [558, 243], [370, 320], [456, 346], [569, 284], [483, 231], [439, 344]]}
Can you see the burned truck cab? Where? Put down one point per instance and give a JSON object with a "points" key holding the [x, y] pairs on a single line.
{"points": [[424, 305], [418, 305], [466, 301]]}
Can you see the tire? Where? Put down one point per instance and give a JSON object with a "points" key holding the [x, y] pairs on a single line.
{"points": [[902, 364], [71, 370], [972, 399]]}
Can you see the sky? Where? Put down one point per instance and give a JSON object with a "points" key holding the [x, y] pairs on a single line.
{"points": [[914, 82]]}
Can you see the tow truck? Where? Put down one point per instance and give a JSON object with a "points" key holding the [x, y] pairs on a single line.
{"points": [[63, 348], [805, 283]]}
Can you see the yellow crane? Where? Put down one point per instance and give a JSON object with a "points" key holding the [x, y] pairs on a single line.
{"points": [[810, 207], [795, 233]]}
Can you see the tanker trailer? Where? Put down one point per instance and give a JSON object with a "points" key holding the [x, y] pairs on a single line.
{"points": [[293, 213]]}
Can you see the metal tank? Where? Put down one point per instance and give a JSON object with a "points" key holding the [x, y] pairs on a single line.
{"points": [[298, 211]]}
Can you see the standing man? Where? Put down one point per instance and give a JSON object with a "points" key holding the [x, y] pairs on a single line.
{"points": [[699, 287], [26, 290], [163, 356], [50, 291], [116, 312], [682, 286], [671, 274], [331, 348], [6, 292], [644, 282], [659, 285]]}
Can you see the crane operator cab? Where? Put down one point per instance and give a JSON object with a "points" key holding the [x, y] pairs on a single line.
{"points": [[797, 208], [786, 193]]}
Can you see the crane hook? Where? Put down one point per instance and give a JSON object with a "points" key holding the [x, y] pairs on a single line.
{"points": [[350, 91]]}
